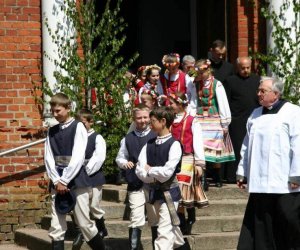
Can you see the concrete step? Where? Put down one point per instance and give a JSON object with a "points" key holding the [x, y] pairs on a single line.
{"points": [[117, 211], [37, 239], [118, 193], [203, 224], [4, 246]]}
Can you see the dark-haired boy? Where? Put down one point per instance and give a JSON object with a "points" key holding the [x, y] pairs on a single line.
{"points": [[157, 166], [89, 191]]}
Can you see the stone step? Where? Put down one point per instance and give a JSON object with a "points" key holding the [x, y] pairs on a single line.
{"points": [[118, 193], [203, 224], [4, 246], [37, 239], [224, 207]]}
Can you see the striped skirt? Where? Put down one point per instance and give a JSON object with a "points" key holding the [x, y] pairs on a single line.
{"points": [[217, 146], [190, 185]]}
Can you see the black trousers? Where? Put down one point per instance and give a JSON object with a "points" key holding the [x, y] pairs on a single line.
{"points": [[271, 222]]}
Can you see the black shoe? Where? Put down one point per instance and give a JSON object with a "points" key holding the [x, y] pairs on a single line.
{"points": [[190, 220], [78, 240], [204, 181], [182, 225], [219, 184], [154, 235], [135, 238], [96, 243], [218, 177], [101, 227], [58, 245]]}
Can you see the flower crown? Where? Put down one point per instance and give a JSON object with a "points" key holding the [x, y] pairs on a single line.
{"points": [[178, 99], [166, 64], [204, 66], [141, 68], [151, 92], [154, 66]]}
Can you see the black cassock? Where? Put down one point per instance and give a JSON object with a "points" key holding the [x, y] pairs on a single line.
{"points": [[222, 70], [242, 99]]}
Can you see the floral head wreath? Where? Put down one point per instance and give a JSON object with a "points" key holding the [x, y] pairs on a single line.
{"points": [[178, 99], [151, 92], [141, 69], [204, 66], [166, 64], [154, 66]]}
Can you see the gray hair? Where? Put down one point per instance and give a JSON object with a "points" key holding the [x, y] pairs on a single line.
{"points": [[238, 60], [277, 84], [188, 58]]}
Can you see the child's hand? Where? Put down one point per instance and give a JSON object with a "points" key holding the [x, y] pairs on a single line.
{"points": [[240, 184], [198, 171], [294, 185], [129, 165], [61, 188], [147, 168], [225, 131]]}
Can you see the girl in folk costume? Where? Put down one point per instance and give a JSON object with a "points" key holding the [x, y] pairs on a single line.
{"points": [[188, 131], [173, 80], [149, 98], [214, 115], [130, 96], [140, 78], [152, 77]]}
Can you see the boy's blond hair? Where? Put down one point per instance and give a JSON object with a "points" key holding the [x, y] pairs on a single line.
{"points": [[140, 107], [60, 99]]}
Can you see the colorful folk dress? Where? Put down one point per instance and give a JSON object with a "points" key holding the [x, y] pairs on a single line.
{"points": [[172, 83], [186, 131], [213, 113]]}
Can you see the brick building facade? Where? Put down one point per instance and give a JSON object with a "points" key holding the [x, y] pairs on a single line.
{"points": [[22, 192]]}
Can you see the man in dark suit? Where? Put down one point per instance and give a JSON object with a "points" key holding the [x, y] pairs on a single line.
{"points": [[242, 98]]}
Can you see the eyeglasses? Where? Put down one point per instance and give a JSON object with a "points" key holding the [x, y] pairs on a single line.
{"points": [[263, 91], [153, 121]]}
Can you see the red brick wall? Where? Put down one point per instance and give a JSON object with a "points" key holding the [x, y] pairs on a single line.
{"points": [[21, 174], [247, 28]]}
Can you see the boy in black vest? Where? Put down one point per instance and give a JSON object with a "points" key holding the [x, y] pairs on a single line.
{"points": [[91, 188], [157, 165], [64, 157], [126, 159]]}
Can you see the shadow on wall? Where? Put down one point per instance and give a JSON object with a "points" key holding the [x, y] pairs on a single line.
{"points": [[22, 175]]}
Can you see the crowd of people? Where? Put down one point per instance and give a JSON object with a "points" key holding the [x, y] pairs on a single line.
{"points": [[191, 118]]}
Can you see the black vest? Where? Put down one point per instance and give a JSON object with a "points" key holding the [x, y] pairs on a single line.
{"points": [[62, 142], [96, 179], [82, 179], [158, 155], [134, 145]]}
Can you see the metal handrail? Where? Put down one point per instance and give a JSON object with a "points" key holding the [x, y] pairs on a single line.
{"points": [[22, 147]]}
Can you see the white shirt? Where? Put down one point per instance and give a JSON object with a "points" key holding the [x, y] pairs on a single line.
{"points": [[99, 154], [77, 158], [197, 137], [223, 105], [160, 173], [270, 153], [122, 157]]}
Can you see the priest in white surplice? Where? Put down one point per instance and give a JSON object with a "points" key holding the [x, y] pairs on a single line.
{"points": [[270, 162]]}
